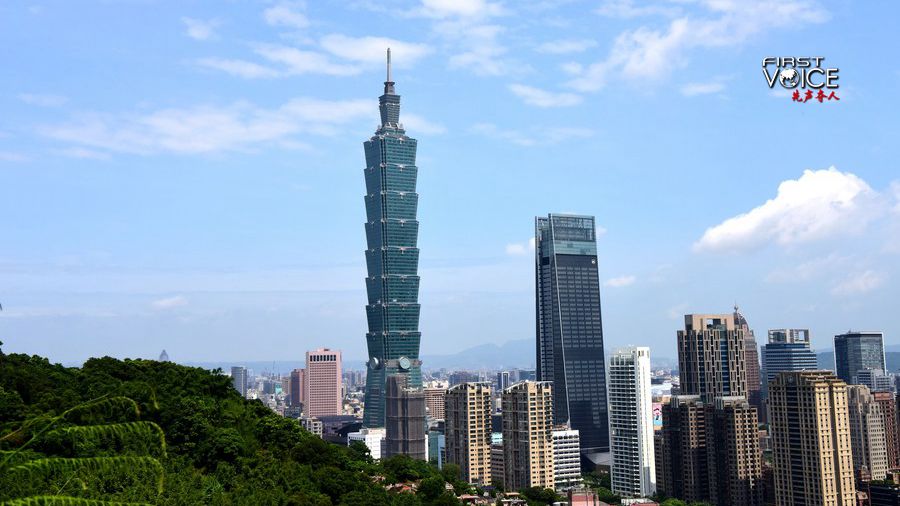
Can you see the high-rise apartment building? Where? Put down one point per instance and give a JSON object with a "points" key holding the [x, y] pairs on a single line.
{"points": [[298, 387], [681, 466], [569, 328], [468, 431], [528, 435], [711, 357], [858, 351], [497, 470], [633, 472], [322, 383], [888, 403], [434, 402], [788, 350], [392, 256], [566, 458], [404, 419], [733, 456], [751, 360], [867, 435], [811, 449], [239, 379]]}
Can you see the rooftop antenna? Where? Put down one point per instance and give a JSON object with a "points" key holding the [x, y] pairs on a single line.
{"points": [[388, 64]]}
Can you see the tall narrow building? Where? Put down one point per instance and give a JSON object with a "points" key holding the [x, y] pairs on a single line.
{"points": [[404, 419], [681, 464], [751, 359], [298, 387], [392, 256], [867, 435], [811, 449], [711, 357], [239, 379], [569, 344], [322, 383], [468, 431], [888, 403], [528, 436], [633, 472], [733, 455], [858, 351]]}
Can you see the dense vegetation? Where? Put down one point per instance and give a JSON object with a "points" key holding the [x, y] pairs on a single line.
{"points": [[138, 431]]}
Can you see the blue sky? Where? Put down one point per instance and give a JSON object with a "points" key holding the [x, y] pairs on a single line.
{"points": [[188, 175]]}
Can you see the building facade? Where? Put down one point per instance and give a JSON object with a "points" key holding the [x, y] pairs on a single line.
{"points": [[322, 383], [569, 330], [404, 419], [681, 464], [788, 350], [468, 431], [434, 402], [734, 460], [888, 403], [751, 360], [239, 379], [711, 357], [373, 439], [858, 351], [811, 450], [528, 435], [392, 256], [566, 458], [298, 387], [633, 471], [867, 434]]}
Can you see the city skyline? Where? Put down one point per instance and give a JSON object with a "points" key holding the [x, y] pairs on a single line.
{"points": [[176, 210]]}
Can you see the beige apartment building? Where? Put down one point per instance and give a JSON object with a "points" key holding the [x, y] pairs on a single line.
{"points": [[528, 435], [468, 431]]}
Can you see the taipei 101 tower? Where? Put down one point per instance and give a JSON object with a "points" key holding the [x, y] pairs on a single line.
{"points": [[392, 256]]}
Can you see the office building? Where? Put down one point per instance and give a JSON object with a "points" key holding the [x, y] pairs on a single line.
{"points": [[751, 359], [437, 447], [468, 431], [298, 387], [503, 380], [392, 256], [858, 351], [711, 357], [239, 379], [322, 383], [887, 401], [875, 379], [633, 471], [681, 464], [404, 419], [569, 344], [811, 450], [497, 469], [734, 460], [788, 350], [868, 438], [528, 435], [566, 458], [373, 438], [434, 402]]}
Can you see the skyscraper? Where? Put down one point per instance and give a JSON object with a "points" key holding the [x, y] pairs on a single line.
{"points": [[633, 472], [857, 351], [786, 350], [323, 383], [733, 456], [435, 402], [298, 387], [681, 466], [867, 435], [569, 342], [888, 403], [528, 435], [811, 449], [404, 419], [392, 256], [751, 359], [711, 357], [239, 379], [468, 431]]}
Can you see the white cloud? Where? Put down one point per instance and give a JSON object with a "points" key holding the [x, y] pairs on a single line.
{"points": [[543, 98], [240, 68], [805, 271], [418, 125], [200, 29], [646, 54], [84, 153], [42, 100], [694, 89], [566, 46], [371, 50], [820, 204], [538, 137], [170, 302], [286, 14], [860, 283], [459, 8], [9, 156], [620, 281], [627, 9], [209, 129], [520, 248], [297, 61]]}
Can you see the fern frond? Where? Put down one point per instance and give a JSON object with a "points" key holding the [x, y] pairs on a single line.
{"points": [[42, 470], [56, 500], [106, 407], [119, 434]]}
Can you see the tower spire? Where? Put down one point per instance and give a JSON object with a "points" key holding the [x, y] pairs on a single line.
{"points": [[388, 64], [389, 84]]}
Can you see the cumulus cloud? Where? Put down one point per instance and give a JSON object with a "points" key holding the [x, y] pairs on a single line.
{"points": [[288, 14], [566, 46], [818, 205], [628, 9], [299, 61], [543, 98], [459, 8], [200, 29], [170, 302], [240, 68], [371, 50], [520, 248], [620, 281], [859, 283], [646, 54]]}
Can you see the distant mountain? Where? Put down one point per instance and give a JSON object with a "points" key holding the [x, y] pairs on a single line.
{"points": [[825, 359]]}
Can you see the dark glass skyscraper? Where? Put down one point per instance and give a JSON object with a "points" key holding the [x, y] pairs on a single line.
{"points": [[858, 351], [392, 256], [569, 329]]}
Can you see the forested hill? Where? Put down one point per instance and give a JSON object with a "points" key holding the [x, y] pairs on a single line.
{"points": [[142, 431]]}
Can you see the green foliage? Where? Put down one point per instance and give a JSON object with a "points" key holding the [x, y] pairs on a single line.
{"points": [[57, 500], [540, 495]]}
